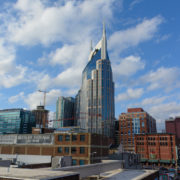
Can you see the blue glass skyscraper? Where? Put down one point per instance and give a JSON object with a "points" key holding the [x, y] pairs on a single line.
{"points": [[95, 99]]}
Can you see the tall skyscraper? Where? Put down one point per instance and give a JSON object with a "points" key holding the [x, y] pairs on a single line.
{"points": [[95, 100], [64, 112]]}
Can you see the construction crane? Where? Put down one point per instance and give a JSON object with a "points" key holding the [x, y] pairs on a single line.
{"points": [[45, 92]]}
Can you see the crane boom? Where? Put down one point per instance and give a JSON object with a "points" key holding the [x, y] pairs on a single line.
{"points": [[45, 92]]}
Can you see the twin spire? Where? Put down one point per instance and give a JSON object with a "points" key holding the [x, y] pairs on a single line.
{"points": [[103, 44]]}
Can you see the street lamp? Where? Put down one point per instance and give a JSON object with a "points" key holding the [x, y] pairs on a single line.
{"points": [[93, 155]]}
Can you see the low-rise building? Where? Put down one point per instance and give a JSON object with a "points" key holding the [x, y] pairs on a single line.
{"points": [[157, 149], [135, 121], [85, 148]]}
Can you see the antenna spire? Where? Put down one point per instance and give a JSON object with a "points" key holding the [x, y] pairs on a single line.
{"points": [[104, 44], [104, 29], [91, 47]]}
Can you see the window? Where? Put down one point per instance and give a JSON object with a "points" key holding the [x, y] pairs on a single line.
{"points": [[74, 138], [74, 162], [142, 124], [81, 162], [82, 137], [73, 150], [67, 137], [66, 149], [82, 150], [60, 138], [59, 149]]}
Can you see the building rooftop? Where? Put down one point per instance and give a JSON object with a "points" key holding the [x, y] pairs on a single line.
{"points": [[127, 174], [35, 174], [129, 110]]}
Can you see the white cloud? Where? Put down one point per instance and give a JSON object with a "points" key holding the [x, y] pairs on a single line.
{"points": [[10, 73], [163, 38], [144, 31], [72, 59], [153, 100], [164, 111], [16, 98], [130, 94], [34, 99], [166, 78], [76, 54], [71, 21], [128, 66], [135, 2]]}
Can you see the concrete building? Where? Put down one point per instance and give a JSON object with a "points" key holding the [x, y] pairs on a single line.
{"points": [[41, 117], [135, 121], [95, 99], [64, 112], [18, 121], [85, 148], [157, 149]]}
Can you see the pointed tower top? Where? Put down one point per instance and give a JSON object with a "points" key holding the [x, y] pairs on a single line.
{"points": [[104, 29], [91, 47], [104, 44]]}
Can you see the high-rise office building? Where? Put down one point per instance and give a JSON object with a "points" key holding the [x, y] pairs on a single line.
{"points": [[95, 99], [41, 117], [16, 121], [135, 121], [64, 112]]}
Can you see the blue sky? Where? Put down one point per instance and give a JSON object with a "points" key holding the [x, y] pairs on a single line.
{"points": [[45, 44]]}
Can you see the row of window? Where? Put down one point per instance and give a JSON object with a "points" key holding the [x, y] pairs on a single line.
{"points": [[81, 162], [153, 143], [152, 138], [132, 116], [73, 138], [72, 149]]}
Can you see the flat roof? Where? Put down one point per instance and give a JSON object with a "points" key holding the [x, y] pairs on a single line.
{"points": [[35, 174], [154, 134], [127, 174]]}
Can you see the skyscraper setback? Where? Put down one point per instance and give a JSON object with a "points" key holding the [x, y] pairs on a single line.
{"points": [[95, 99]]}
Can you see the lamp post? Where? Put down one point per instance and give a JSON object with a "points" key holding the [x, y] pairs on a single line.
{"points": [[93, 155]]}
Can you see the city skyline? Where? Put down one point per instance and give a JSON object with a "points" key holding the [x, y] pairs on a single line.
{"points": [[45, 45]]}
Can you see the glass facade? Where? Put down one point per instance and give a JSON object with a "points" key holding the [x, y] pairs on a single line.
{"points": [[136, 125], [95, 100], [64, 112], [16, 121]]}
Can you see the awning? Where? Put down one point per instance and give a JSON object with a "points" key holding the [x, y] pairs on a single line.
{"points": [[152, 160], [143, 160], [165, 161]]}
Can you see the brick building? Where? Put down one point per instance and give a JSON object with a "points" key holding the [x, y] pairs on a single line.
{"points": [[156, 149], [173, 126], [135, 121], [85, 148]]}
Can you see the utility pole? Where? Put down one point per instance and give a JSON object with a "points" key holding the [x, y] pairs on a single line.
{"points": [[45, 92]]}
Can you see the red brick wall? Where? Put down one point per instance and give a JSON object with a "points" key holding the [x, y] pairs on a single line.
{"points": [[162, 146], [170, 127], [135, 110]]}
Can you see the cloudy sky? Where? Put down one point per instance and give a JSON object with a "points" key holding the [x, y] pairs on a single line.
{"points": [[44, 44]]}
